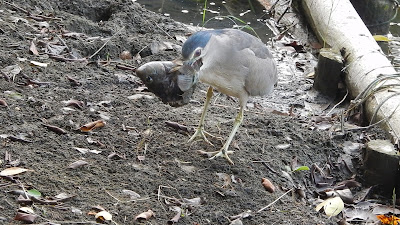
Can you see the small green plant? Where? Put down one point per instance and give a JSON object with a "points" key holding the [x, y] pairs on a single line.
{"points": [[297, 169], [300, 168], [204, 11]]}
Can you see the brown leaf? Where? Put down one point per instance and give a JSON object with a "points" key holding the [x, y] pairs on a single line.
{"points": [[74, 82], [55, 129], [125, 55], [20, 137], [75, 103], [77, 164], [3, 103], [33, 48], [177, 126], [226, 178], [92, 125], [268, 185], [25, 217], [115, 156], [144, 215]]}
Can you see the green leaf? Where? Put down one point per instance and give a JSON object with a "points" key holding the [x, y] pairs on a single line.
{"points": [[34, 193], [381, 38], [301, 168]]}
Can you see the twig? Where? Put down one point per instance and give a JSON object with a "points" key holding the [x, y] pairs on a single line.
{"points": [[284, 12], [286, 30], [113, 196], [132, 200], [105, 43], [56, 57], [17, 7], [340, 102], [126, 67], [164, 31], [275, 200], [63, 42]]}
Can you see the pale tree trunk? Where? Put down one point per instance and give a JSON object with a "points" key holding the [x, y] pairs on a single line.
{"points": [[338, 25]]}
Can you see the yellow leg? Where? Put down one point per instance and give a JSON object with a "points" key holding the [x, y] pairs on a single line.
{"points": [[200, 133], [224, 150]]}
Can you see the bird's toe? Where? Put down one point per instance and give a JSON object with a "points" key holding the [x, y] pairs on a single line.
{"points": [[223, 153], [200, 134]]}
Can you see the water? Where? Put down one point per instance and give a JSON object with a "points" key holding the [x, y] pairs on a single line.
{"points": [[191, 12]]}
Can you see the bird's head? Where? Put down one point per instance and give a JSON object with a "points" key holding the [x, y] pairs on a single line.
{"points": [[193, 48], [195, 59]]}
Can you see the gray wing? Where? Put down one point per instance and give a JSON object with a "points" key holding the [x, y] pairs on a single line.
{"points": [[246, 63]]}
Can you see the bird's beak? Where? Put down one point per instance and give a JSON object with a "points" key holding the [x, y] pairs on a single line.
{"points": [[195, 63]]}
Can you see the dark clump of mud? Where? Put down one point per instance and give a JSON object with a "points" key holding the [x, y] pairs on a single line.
{"points": [[136, 151]]}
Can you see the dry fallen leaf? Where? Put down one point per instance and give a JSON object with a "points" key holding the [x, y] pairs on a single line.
{"points": [[177, 216], [92, 125], [40, 64], [11, 71], [77, 164], [131, 193], [192, 202], [55, 129], [332, 206], [236, 222], [26, 210], [12, 171], [268, 185], [75, 103], [103, 216], [144, 215], [25, 217], [3, 102], [115, 156], [139, 96], [125, 55], [33, 48]]}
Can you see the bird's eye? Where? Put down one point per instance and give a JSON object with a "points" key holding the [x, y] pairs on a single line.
{"points": [[149, 79], [197, 53]]}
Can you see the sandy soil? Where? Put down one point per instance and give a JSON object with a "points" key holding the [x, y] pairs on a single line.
{"points": [[136, 152]]}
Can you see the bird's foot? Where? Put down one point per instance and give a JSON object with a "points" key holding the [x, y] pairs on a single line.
{"points": [[224, 153], [201, 134]]}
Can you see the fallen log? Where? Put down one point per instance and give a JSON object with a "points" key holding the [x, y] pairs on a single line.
{"points": [[371, 78]]}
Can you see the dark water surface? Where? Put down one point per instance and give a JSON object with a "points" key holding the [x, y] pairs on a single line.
{"points": [[191, 12]]}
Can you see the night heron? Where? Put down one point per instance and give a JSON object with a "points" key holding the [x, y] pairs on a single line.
{"points": [[233, 62]]}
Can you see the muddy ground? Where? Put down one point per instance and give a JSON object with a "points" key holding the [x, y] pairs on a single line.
{"points": [[136, 150]]}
